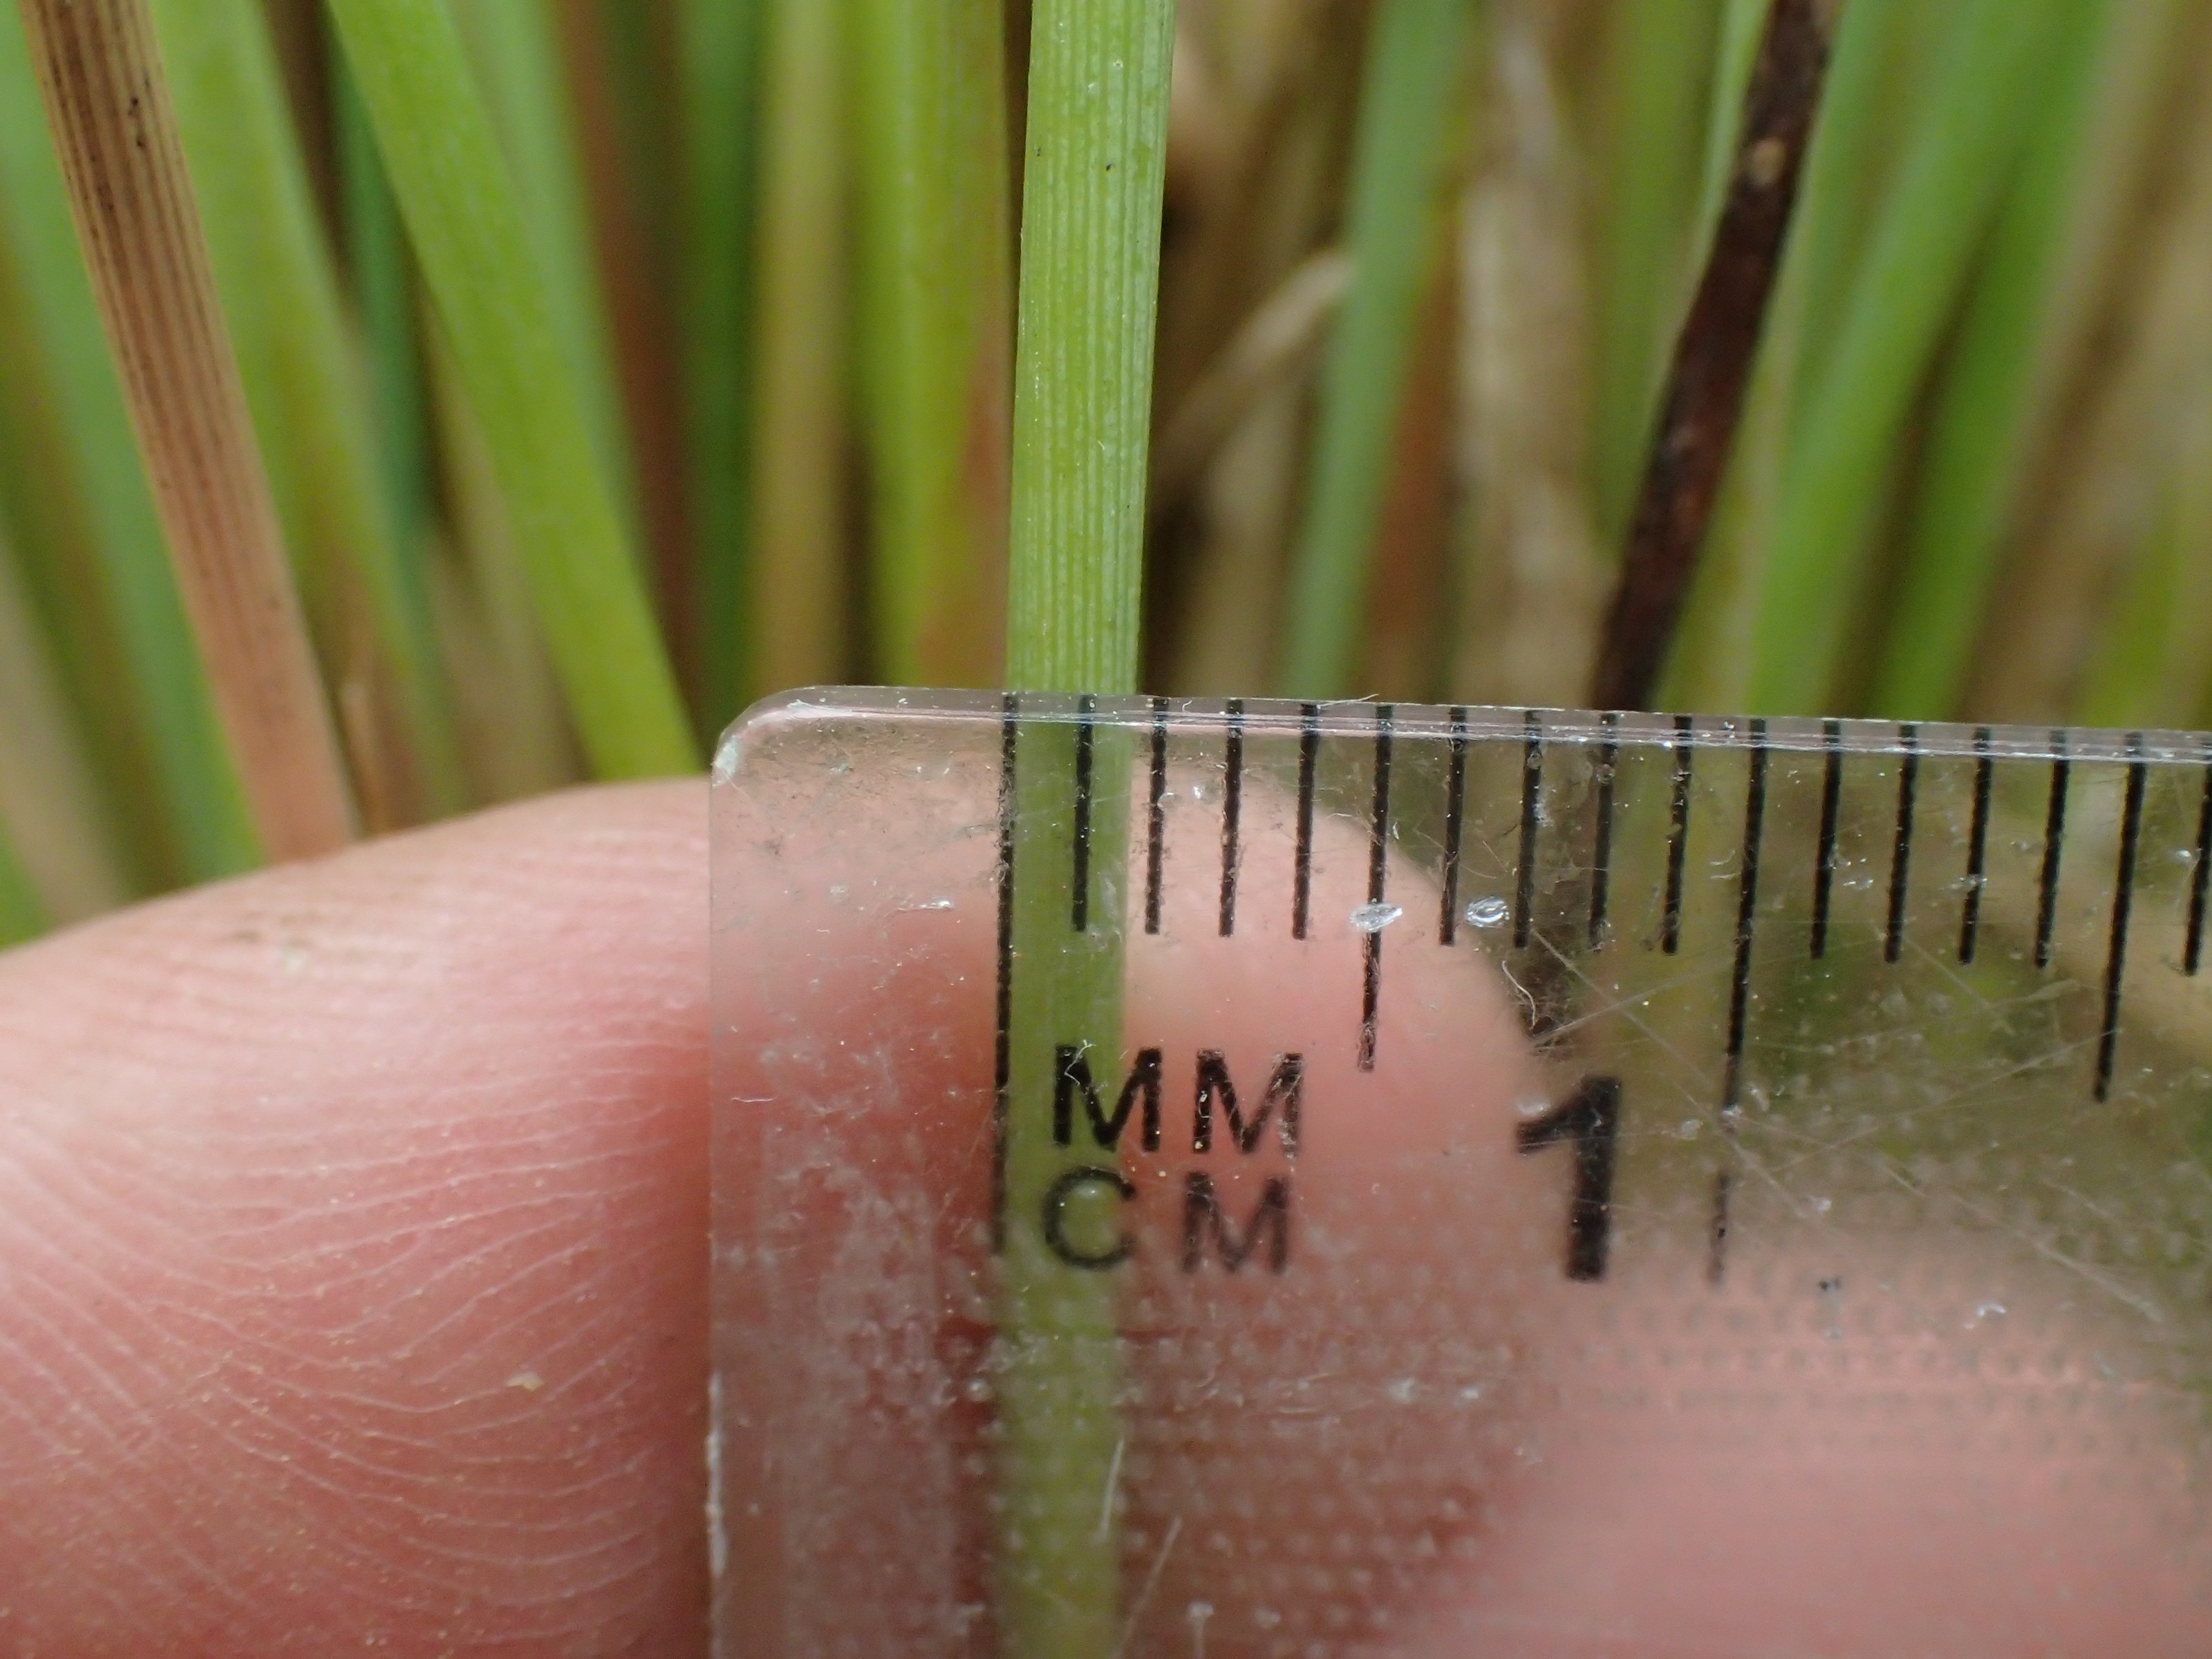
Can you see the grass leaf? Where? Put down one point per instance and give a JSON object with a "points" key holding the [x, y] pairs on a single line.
{"points": [[1416, 56], [499, 319]]}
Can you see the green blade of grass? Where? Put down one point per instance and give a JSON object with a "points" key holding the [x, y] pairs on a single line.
{"points": [[721, 39], [1741, 23], [936, 312], [2022, 326], [376, 258], [20, 916], [1859, 396], [479, 262], [305, 383], [95, 565], [56, 819], [1654, 90], [1415, 57], [1094, 174], [799, 586], [516, 55]]}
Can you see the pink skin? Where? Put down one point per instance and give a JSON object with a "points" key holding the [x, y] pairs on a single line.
{"points": [[351, 1291]]}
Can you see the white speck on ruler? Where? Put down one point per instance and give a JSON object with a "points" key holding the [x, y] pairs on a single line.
{"points": [[1374, 918], [1487, 913]]}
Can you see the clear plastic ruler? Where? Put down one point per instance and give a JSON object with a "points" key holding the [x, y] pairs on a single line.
{"points": [[1255, 1178]]}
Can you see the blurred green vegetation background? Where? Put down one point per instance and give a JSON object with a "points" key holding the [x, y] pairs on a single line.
{"points": [[615, 362]]}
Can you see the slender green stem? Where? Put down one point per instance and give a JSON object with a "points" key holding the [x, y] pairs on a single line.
{"points": [[22, 916], [516, 55], [2020, 325], [383, 281], [55, 818], [1742, 21], [1416, 54], [305, 383], [1857, 406], [799, 584], [1095, 166], [480, 263], [96, 563], [720, 39], [936, 307]]}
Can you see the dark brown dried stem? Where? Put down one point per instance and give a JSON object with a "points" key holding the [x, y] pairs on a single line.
{"points": [[132, 202], [1713, 356]]}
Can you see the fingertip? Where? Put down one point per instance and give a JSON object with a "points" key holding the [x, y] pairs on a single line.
{"points": [[355, 1216]]}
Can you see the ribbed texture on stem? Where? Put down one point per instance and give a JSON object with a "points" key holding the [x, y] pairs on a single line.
{"points": [[1094, 172], [132, 202]]}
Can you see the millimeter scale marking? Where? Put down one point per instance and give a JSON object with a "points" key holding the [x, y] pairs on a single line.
{"points": [[1360, 749]]}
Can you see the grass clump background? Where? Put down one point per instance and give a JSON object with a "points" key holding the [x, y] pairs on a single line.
{"points": [[553, 377]]}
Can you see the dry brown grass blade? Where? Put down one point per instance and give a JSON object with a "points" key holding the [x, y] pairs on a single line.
{"points": [[132, 201], [1713, 356], [1533, 587]]}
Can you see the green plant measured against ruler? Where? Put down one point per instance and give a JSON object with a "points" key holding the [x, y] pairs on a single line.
{"points": [[498, 319], [1090, 243]]}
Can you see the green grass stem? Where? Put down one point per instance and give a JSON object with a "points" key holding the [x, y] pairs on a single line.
{"points": [[936, 311], [306, 383], [799, 583], [2021, 330], [56, 819], [720, 44], [1741, 23], [516, 48], [382, 278], [1092, 189], [97, 569], [21, 915], [480, 263], [1416, 59], [1844, 448]]}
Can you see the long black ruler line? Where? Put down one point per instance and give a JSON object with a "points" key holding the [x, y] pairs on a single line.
{"points": [[1608, 753], [1532, 791], [1379, 861], [1302, 873], [1086, 738], [1746, 913], [1455, 828], [1900, 854], [1232, 801], [1831, 800], [1978, 847], [1678, 836], [2054, 847], [2123, 887], [2193, 952], [1156, 819], [1003, 1066]]}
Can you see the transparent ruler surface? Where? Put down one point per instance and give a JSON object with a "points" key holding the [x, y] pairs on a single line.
{"points": [[1202, 1178]]}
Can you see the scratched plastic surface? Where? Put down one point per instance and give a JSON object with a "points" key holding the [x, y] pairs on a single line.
{"points": [[1558, 1186]]}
